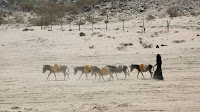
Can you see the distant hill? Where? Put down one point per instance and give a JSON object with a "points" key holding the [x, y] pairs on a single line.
{"points": [[114, 9]]}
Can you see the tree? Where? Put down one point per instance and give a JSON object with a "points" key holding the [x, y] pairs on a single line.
{"points": [[50, 13]]}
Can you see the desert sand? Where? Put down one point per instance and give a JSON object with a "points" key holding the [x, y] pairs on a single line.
{"points": [[23, 86]]}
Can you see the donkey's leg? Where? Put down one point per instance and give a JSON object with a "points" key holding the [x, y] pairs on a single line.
{"points": [[142, 75], [150, 73], [138, 74], [116, 75], [111, 76], [55, 75], [99, 77], [48, 76], [125, 74], [68, 75], [86, 76], [95, 76], [64, 75], [80, 75], [103, 78]]}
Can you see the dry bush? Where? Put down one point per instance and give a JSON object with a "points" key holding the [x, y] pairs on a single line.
{"points": [[73, 9], [173, 12], [120, 48], [146, 45], [2, 13], [104, 12], [80, 22], [3, 21], [35, 21], [19, 19], [50, 12], [92, 20], [79, 5], [178, 41], [150, 17], [176, 31], [27, 6], [126, 44], [95, 33], [193, 13], [140, 41], [155, 34]]}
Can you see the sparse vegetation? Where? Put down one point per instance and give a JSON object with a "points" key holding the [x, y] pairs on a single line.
{"points": [[146, 45], [19, 19], [150, 17], [193, 13], [2, 13], [34, 21], [3, 21], [173, 12], [50, 13], [93, 20], [178, 41]]}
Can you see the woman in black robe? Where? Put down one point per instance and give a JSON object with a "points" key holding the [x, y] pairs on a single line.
{"points": [[158, 72]]}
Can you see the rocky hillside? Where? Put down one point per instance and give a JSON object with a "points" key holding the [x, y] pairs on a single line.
{"points": [[143, 8], [127, 9]]}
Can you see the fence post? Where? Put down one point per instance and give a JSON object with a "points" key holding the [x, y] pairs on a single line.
{"points": [[106, 23], [144, 27], [168, 23], [79, 24]]}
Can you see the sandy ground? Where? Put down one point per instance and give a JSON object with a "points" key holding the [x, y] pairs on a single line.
{"points": [[23, 86]]}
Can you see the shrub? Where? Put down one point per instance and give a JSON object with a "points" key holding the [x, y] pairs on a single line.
{"points": [[146, 45], [93, 20], [50, 12], [150, 17], [3, 21], [178, 41], [90, 19], [79, 5], [173, 12], [2, 13], [19, 19], [195, 13], [80, 22], [27, 6], [35, 21]]}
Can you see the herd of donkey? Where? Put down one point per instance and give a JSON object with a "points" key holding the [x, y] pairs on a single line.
{"points": [[94, 70]]}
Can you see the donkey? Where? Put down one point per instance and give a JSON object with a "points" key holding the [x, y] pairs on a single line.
{"points": [[119, 69], [81, 69], [101, 72], [62, 69], [95, 70], [145, 68]]}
